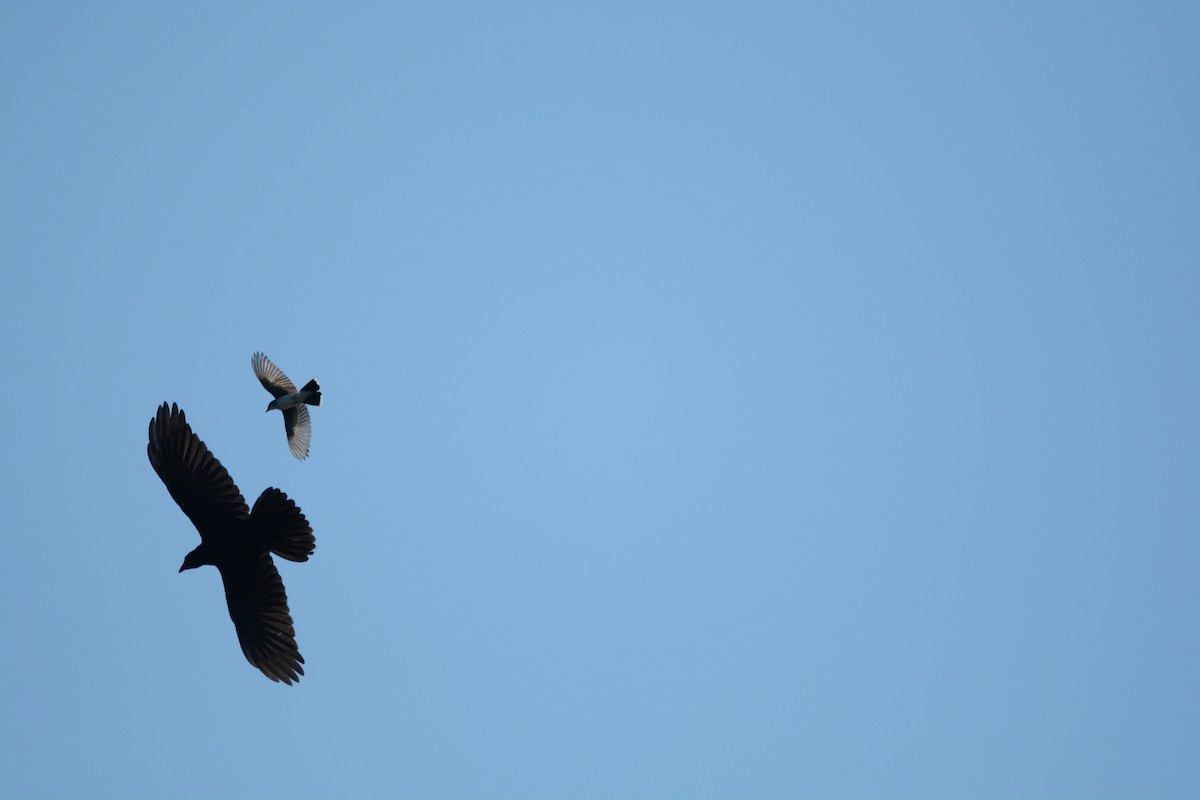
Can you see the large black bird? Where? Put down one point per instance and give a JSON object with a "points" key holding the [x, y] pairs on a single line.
{"points": [[237, 541], [292, 402]]}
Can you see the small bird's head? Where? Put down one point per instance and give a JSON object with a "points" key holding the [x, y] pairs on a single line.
{"points": [[271, 406]]}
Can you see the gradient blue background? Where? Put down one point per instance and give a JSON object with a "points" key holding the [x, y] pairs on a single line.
{"points": [[760, 400]]}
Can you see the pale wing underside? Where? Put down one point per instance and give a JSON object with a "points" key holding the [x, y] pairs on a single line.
{"points": [[271, 376], [298, 425]]}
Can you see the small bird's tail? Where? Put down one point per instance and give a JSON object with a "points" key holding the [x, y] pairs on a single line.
{"points": [[313, 399], [281, 526]]}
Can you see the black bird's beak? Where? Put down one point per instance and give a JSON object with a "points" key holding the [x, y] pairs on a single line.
{"points": [[182, 568]]}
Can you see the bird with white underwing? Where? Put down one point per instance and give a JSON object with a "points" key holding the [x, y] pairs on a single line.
{"points": [[292, 402]]}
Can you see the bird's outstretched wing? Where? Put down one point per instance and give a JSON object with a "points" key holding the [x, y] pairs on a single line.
{"points": [[193, 475], [271, 376], [259, 610], [298, 425]]}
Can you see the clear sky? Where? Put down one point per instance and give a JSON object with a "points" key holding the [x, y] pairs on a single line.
{"points": [[746, 400]]}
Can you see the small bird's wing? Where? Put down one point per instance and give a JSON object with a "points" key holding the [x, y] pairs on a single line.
{"points": [[259, 610], [193, 476], [271, 376], [298, 425]]}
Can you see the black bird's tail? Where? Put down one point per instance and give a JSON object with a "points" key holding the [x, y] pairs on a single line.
{"points": [[313, 399], [281, 526]]}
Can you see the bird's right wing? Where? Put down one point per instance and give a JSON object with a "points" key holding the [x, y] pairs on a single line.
{"points": [[259, 610], [271, 376], [193, 476], [298, 424]]}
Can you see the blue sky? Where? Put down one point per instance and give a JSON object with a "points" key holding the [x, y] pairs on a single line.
{"points": [[722, 400]]}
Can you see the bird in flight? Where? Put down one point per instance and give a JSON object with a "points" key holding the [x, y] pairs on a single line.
{"points": [[238, 541], [294, 404]]}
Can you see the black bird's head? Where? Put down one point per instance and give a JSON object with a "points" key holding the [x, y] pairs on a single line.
{"points": [[194, 559]]}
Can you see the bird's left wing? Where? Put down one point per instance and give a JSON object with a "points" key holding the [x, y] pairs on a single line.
{"points": [[195, 478], [298, 424], [259, 610]]}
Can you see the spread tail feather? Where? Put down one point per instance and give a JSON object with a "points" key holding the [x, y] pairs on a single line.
{"points": [[313, 399], [281, 526]]}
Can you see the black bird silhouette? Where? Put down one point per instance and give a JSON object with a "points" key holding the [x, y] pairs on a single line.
{"points": [[236, 540], [294, 404]]}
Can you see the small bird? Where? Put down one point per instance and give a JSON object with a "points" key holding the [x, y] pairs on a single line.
{"points": [[237, 541], [294, 404]]}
